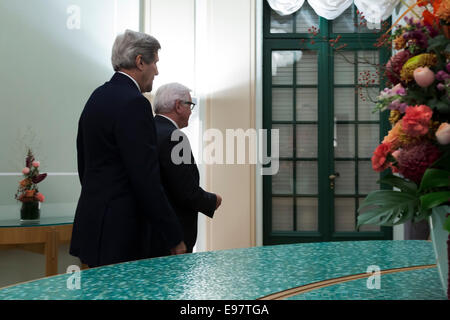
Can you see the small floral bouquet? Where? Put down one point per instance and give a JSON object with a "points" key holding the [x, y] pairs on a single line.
{"points": [[28, 190]]}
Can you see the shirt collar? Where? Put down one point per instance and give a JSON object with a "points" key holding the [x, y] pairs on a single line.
{"points": [[135, 82], [174, 123]]}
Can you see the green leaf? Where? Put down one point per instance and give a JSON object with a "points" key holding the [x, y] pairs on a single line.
{"points": [[442, 107], [436, 42], [387, 208], [421, 215], [434, 199], [400, 183], [406, 217], [443, 162], [435, 178], [447, 224]]}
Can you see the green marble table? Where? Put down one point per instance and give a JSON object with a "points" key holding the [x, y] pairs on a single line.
{"points": [[248, 274], [421, 284]]}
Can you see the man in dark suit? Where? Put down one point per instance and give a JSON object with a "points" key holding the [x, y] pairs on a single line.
{"points": [[179, 172], [122, 206]]}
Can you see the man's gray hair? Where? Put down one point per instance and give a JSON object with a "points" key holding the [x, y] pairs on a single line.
{"points": [[166, 96], [129, 45]]}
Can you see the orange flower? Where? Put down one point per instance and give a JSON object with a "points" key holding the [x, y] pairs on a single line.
{"points": [[379, 159], [430, 18], [399, 43], [443, 11], [417, 120], [24, 183], [29, 193], [393, 137]]}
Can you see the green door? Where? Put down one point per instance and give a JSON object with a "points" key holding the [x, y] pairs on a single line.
{"points": [[326, 126]]}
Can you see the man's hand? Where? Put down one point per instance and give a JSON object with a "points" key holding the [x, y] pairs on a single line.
{"points": [[219, 201], [178, 249]]}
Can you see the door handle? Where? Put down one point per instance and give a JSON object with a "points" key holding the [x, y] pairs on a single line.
{"points": [[332, 177]]}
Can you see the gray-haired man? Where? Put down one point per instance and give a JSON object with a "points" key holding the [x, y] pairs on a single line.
{"points": [[122, 206], [179, 173]]}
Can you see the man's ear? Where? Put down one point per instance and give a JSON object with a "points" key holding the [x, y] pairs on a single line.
{"points": [[177, 106], [139, 62]]}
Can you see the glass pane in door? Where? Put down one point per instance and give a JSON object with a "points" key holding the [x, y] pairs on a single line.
{"points": [[344, 214], [307, 68], [307, 214], [282, 182], [307, 104], [307, 177], [282, 104], [282, 214], [344, 68], [345, 182], [286, 139], [344, 104], [307, 140]]}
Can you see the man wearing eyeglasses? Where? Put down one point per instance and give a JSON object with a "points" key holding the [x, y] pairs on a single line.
{"points": [[179, 173]]}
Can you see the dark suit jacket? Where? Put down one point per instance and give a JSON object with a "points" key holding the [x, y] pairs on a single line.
{"points": [[181, 182], [122, 205]]}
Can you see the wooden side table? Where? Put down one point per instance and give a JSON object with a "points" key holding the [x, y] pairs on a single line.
{"points": [[43, 236], [44, 240]]}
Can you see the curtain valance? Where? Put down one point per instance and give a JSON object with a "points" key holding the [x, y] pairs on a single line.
{"points": [[374, 11]]}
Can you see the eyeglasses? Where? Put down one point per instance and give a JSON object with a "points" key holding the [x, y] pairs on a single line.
{"points": [[191, 104]]}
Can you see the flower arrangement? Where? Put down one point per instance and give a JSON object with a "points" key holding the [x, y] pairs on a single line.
{"points": [[418, 99], [28, 190], [417, 148]]}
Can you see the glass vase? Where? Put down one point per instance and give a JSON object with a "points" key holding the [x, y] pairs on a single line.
{"points": [[440, 238], [30, 211]]}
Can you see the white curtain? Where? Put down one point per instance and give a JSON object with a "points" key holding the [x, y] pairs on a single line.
{"points": [[374, 11], [330, 9], [285, 7]]}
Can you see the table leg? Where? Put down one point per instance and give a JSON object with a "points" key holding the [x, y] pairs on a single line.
{"points": [[51, 253]]}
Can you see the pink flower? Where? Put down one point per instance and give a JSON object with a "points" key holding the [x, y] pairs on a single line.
{"points": [[396, 153], [26, 170], [36, 164], [40, 197], [443, 133], [398, 89], [416, 120], [424, 76]]}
